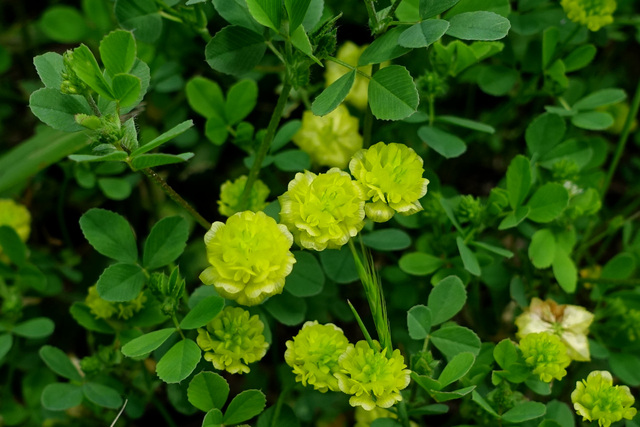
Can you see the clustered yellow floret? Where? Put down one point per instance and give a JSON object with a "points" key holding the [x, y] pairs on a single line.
{"points": [[596, 398], [595, 14], [546, 355], [232, 340], [103, 309], [231, 192]]}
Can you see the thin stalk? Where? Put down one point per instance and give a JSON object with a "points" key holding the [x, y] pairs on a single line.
{"points": [[402, 410], [92, 104], [152, 175], [349, 66], [266, 143], [432, 110], [177, 325], [371, 11], [633, 112], [394, 6], [367, 125]]}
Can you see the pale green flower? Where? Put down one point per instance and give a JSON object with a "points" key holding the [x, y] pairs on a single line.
{"points": [[15, 216], [392, 177], [546, 355], [569, 322], [371, 377], [103, 309], [249, 257], [313, 354], [231, 192], [232, 340], [592, 13], [323, 211], [596, 398], [329, 140]]}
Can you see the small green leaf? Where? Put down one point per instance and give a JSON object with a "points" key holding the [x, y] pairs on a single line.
{"points": [[213, 418], [518, 180], [453, 340], [50, 67], [601, 98], [39, 327], [286, 308], [466, 123], [419, 322], [110, 234], [392, 93], [63, 24], [236, 12], [419, 264], [423, 33], [620, 266], [146, 343], [429, 8], [102, 395], [446, 299], [164, 137], [205, 98], [300, 40], [61, 396], [514, 218], [115, 188], [284, 134], [59, 363], [241, 100], [203, 312], [549, 43], [115, 156], [524, 411], [390, 239], [121, 282], [479, 25], [561, 413], [456, 368], [12, 246], [542, 250], [235, 50], [333, 95], [82, 314], [266, 12], [208, 391], [384, 48], [565, 271], [141, 17], [495, 249], [469, 258], [307, 277], [579, 57], [84, 64], [544, 133], [126, 89], [592, 120], [497, 80], [505, 353], [58, 110], [6, 342], [118, 52], [339, 265], [245, 406], [216, 131], [292, 160], [445, 396], [444, 143], [626, 367], [166, 242], [178, 363], [548, 202], [296, 9]]}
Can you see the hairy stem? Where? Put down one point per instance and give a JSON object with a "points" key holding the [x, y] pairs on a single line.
{"points": [[266, 143], [152, 175]]}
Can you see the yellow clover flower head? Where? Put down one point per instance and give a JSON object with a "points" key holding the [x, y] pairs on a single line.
{"points": [[323, 211], [232, 340], [546, 355], [249, 257], [392, 177], [596, 398], [595, 14], [350, 53], [15, 216], [231, 192], [373, 379], [329, 140], [313, 354], [570, 322], [103, 309]]}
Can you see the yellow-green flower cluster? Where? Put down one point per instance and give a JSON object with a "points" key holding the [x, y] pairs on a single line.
{"points": [[392, 177], [15, 216], [546, 355], [350, 53], [596, 398], [249, 257], [370, 377], [595, 14], [570, 322], [313, 354], [323, 211], [103, 309], [330, 140], [231, 192], [232, 340]]}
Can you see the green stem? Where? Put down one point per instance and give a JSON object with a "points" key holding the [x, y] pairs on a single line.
{"points": [[633, 112], [266, 143], [349, 66], [402, 412], [432, 110], [152, 175], [373, 17], [92, 104], [394, 6], [177, 325], [367, 125]]}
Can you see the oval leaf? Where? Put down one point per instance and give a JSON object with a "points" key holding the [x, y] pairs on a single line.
{"points": [[110, 234], [59, 363], [446, 299], [121, 282], [245, 406], [208, 391], [166, 242], [178, 363], [393, 94], [146, 343], [479, 25], [203, 312]]}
